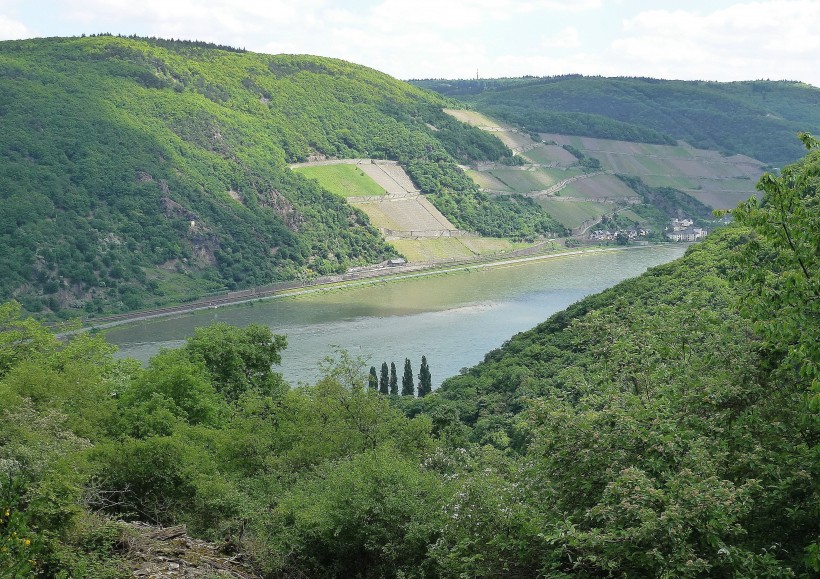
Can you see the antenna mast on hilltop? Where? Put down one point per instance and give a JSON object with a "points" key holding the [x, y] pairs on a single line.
{"points": [[476, 74]]}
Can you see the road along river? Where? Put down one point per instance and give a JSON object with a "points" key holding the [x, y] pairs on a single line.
{"points": [[453, 318]]}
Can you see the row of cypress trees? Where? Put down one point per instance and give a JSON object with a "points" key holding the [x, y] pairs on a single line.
{"points": [[387, 382]]}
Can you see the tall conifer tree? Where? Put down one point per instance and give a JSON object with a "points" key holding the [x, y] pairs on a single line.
{"points": [[394, 381], [373, 379], [407, 379], [384, 379], [425, 379]]}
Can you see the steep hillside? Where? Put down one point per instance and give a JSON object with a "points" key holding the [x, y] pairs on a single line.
{"points": [[755, 118], [590, 184], [135, 172]]}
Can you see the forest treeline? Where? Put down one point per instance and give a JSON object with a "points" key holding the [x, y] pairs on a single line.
{"points": [[137, 172], [665, 427], [754, 118]]}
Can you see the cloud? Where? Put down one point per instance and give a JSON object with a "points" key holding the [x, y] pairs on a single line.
{"points": [[776, 39], [193, 18], [12, 29], [567, 37], [467, 13]]}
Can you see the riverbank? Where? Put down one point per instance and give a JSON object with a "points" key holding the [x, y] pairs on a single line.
{"points": [[362, 277]]}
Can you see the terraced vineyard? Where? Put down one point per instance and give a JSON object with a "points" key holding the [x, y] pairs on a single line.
{"points": [[714, 180], [577, 195], [393, 204], [573, 213]]}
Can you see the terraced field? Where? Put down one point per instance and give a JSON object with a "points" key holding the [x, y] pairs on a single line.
{"points": [[717, 181], [422, 250], [572, 213], [407, 215], [599, 188], [550, 155], [488, 182], [393, 204], [475, 119], [390, 176], [522, 180]]}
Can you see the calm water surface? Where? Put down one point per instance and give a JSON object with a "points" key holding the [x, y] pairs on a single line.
{"points": [[453, 319]]}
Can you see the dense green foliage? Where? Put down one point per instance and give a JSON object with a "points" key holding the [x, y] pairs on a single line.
{"points": [[658, 205], [138, 172], [665, 427], [783, 264], [756, 118], [460, 199]]}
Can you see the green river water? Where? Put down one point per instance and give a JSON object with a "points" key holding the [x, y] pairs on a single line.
{"points": [[453, 318]]}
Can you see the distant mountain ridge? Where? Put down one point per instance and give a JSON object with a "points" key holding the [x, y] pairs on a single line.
{"points": [[755, 118]]}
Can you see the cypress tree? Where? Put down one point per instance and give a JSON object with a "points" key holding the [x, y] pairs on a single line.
{"points": [[425, 379], [407, 379], [384, 379], [373, 379], [394, 381]]}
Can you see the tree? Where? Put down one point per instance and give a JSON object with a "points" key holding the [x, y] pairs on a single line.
{"points": [[394, 382], [782, 263], [407, 379], [239, 359], [373, 379], [171, 385], [20, 337], [384, 379], [425, 379]]}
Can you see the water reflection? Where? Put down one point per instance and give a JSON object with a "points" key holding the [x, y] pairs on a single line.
{"points": [[453, 319]]}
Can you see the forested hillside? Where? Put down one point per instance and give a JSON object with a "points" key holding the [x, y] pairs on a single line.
{"points": [[135, 172], [756, 118], [667, 427]]}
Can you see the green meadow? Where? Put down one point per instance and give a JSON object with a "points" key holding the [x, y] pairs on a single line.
{"points": [[344, 180]]}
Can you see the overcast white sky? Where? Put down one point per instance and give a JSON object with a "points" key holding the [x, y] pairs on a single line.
{"points": [[697, 39]]}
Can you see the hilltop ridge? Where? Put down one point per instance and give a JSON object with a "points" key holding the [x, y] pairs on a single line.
{"points": [[755, 118]]}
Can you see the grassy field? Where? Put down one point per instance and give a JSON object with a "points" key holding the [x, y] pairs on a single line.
{"points": [[378, 218], [572, 213], [484, 245], [722, 199], [419, 250], [486, 181], [473, 118], [413, 214], [598, 187], [343, 180], [523, 181], [593, 145], [682, 183], [550, 155]]}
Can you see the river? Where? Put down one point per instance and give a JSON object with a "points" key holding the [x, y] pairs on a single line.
{"points": [[453, 319]]}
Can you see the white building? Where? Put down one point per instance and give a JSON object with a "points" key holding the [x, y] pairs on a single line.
{"points": [[687, 234]]}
